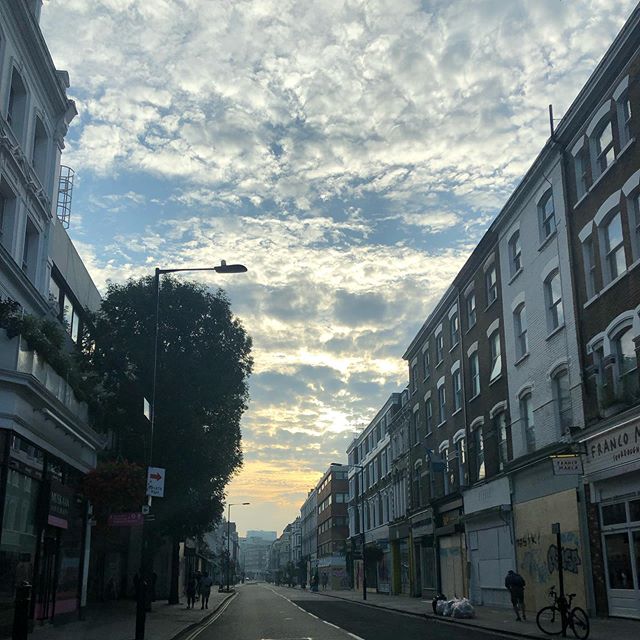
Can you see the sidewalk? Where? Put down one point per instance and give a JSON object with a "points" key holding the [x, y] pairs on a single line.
{"points": [[117, 621], [494, 619]]}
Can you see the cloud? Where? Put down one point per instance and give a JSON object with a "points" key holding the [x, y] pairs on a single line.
{"points": [[350, 154]]}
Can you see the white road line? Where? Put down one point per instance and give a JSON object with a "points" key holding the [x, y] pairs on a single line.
{"points": [[335, 626], [213, 618]]}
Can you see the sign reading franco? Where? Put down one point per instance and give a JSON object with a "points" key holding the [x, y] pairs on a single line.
{"points": [[566, 465], [155, 482], [617, 447]]}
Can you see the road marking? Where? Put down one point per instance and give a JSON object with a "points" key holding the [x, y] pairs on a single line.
{"points": [[335, 626], [213, 618]]}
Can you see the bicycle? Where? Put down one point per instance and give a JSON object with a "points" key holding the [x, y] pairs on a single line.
{"points": [[550, 619]]}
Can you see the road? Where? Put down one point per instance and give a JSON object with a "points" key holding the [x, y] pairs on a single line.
{"points": [[264, 612]]}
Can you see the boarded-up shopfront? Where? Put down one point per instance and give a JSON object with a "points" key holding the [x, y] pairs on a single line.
{"points": [[536, 550]]}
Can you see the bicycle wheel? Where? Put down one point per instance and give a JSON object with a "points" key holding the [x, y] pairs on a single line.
{"points": [[579, 621], [549, 621]]}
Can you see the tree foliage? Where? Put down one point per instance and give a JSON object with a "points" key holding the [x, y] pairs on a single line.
{"points": [[204, 361]]}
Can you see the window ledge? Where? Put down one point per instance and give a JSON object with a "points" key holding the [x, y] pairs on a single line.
{"points": [[428, 434], [515, 275], [521, 359], [557, 330], [439, 363], [425, 379], [456, 412], [626, 146], [491, 303], [610, 285], [548, 239], [581, 199], [499, 377], [441, 424], [471, 326], [603, 174], [454, 346], [473, 397]]}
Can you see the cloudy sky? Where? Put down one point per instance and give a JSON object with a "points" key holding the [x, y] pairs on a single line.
{"points": [[349, 152]]}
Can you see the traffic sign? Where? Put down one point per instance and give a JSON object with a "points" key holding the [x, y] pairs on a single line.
{"points": [[155, 482]]}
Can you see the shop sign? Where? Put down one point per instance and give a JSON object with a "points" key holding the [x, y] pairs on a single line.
{"points": [[616, 447], [133, 519], [490, 495], [59, 505], [566, 465]]}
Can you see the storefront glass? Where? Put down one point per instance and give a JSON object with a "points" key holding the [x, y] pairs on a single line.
{"points": [[619, 561]]}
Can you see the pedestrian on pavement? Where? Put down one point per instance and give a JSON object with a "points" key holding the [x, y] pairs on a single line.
{"points": [[205, 589], [198, 578], [515, 584], [325, 580], [192, 586]]}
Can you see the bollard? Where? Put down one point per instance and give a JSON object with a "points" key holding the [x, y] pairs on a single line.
{"points": [[21, 612]]}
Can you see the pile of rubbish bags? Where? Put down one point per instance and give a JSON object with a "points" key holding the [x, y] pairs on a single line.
{"points": [[456, 608]]}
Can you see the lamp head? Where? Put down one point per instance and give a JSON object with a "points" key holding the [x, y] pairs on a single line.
{"points": [[230, 268]]}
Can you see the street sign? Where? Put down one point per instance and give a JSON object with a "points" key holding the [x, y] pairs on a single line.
{"points": [[566, 465], [146, 509], [155, 482], [132, 519]]}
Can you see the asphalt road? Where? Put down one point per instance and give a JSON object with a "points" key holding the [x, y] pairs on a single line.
{"points": [[264, 612]]}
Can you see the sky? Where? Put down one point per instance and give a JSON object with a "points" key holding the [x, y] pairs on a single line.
{"points": [[349, 152]]}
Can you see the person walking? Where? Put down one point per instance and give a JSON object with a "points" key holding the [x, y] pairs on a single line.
{"points": [[325, 580], [205, 589], [192, 586], [515, 584]]}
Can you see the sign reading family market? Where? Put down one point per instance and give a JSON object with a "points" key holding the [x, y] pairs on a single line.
{"points": [[131, 519], [617, 447]]}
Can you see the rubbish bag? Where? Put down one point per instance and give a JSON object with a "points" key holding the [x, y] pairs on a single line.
{"points": [[440, 607], [446, 609], [462, 608]]}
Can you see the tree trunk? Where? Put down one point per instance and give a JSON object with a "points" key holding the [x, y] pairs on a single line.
{"points": [[174, 587]]}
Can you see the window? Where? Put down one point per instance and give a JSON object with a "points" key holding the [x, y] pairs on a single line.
{"points": [[426, 364], [478, 449], [503, 431], [457, 390], [614, 249], [588, 255], [626, 364], [461, 455], [7, 217], [491, 282], [439, 348], [580, 165], [16, 110], [414, 377], [562, 397], [553, 294], [496, 356], [605, 153], [40, 151], [474, 370], [526, 415], [634, 222], [471, 310], [416, 488], [520, 330], [547, 214], [416, 427], [454, 329], [428, 408], [515, 253], [30, 250], [442, 404]]}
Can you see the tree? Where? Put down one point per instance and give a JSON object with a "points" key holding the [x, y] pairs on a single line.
{"points": [[204, 360]]}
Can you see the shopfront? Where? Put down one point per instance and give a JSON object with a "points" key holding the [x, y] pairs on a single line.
{"points": [[612, 468], [42, 532], [452, 550], [490, 541], [401, 561], [424, 553]]}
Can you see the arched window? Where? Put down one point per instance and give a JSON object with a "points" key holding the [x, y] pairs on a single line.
{"points": [[562, 399], [547, 215], [528, 426], [623, 347], [614, 255], [515, 254], [553, 297], [520, 331]]}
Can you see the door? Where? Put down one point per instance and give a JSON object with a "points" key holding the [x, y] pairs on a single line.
{"points": [[451, 566], [47, 574], [622, 554]]}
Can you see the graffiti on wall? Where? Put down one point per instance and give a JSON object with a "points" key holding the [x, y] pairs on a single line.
{"points": [[570, 559]]}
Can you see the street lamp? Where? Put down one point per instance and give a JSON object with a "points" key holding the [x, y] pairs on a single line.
{"points": [[361, 507], [145, 561], [236, 504]]}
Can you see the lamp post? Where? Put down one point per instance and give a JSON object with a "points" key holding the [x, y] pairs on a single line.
{"points": [[361, 506], [236, 504], [145, 560]]}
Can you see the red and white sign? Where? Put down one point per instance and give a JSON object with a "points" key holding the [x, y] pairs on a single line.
{"points": [[132, 519], [155, 482]]}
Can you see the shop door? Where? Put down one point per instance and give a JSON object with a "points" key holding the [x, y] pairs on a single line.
{"points": [[622, 552], [451, 565], [46, 588]]}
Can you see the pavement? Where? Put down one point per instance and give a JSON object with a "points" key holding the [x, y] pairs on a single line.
{"points": [[487, 618], [116, 620]]}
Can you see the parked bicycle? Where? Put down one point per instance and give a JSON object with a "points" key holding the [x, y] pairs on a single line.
{"points": [[550, 620]]}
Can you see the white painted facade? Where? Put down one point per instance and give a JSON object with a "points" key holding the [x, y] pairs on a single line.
{"points": [[548, 350]]}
